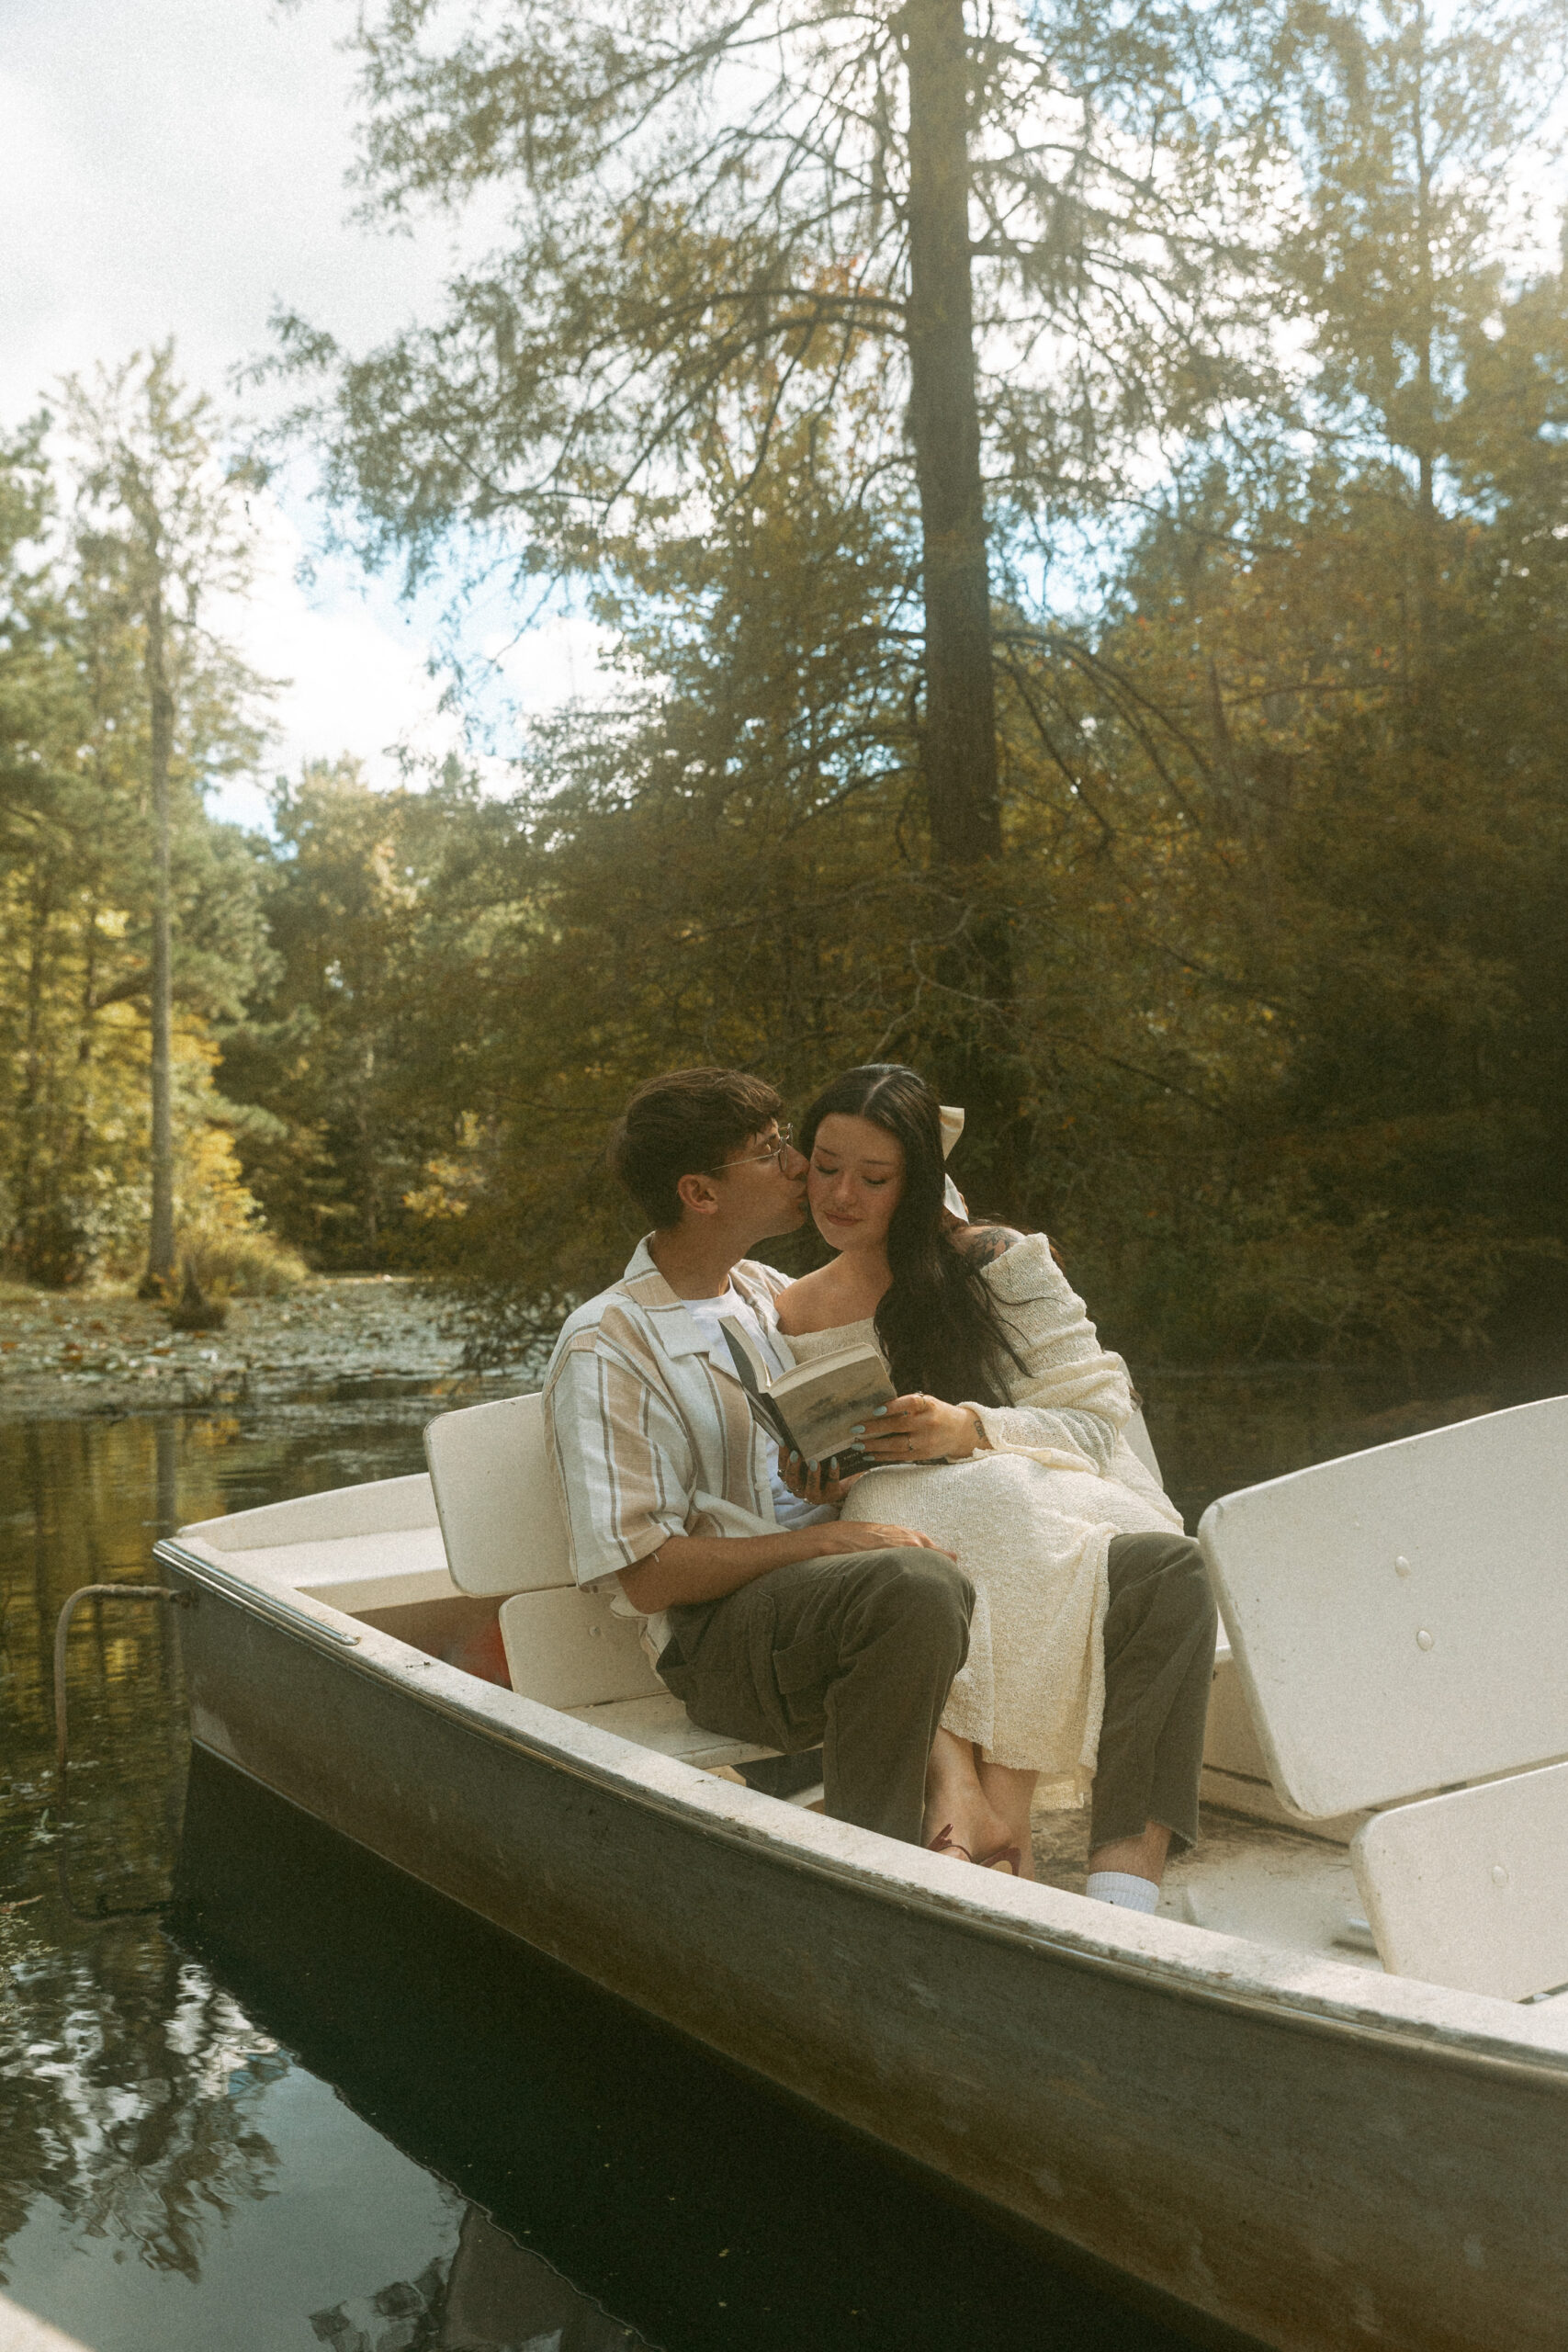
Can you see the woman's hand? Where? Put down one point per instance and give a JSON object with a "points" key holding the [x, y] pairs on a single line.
{"points": [[920, 1428], [816, 1482]]}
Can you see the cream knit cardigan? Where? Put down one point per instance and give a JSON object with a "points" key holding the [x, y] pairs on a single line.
{"points": [[1030, 1521]]}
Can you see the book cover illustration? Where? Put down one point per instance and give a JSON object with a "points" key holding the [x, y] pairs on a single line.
{"points": [[812, 1409]]}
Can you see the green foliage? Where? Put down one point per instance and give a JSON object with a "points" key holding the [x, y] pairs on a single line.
{"points": [[1324, 789], [1278, 923], [1285, 814], [694, 207], [1286, 847], [376, 931], [1282, 811], [77, 888]]}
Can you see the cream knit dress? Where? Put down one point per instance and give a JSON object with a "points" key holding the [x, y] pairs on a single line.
{"points": [[1030, 1521]]}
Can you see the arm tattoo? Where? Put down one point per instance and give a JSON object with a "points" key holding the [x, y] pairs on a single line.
{"points": [[991, 1243]]}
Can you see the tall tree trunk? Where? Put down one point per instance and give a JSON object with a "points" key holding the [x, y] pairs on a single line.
{"points": [[369, 1173], [968, 1047], [161, 1242], [32, 1212], [1426, 455], [959, 750]]}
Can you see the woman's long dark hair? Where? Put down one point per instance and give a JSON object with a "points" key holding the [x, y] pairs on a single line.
{"points": [[938, 1325]]}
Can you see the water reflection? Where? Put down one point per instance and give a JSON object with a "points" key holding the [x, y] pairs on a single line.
{"points": [[489, 2295], [170, 2175], [317, 2106], [686, 2196], [323, 2109], [122, 2110]]}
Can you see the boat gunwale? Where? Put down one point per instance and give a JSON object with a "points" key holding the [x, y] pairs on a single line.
{"points": [[792, 1843]]}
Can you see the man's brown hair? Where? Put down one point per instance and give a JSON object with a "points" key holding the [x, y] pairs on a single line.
{"points": [[685, 1124]]}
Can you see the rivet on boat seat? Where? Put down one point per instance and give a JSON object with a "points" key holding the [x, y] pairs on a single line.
{"points": [[1471, 1889]]}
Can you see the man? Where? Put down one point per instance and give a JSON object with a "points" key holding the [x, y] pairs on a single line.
{"points": [[773, 1619]]}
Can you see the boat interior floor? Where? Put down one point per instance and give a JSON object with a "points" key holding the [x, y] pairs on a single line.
{"points": [[1275, 1885]]}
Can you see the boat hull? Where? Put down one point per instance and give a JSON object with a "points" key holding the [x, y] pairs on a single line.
{"points": [[1306, 2178]]}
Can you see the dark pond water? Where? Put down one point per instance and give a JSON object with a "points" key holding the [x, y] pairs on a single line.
{"points": [[308, 2105]]}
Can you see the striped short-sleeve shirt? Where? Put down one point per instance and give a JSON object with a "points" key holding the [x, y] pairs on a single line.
{"points": [[650, 1434]]}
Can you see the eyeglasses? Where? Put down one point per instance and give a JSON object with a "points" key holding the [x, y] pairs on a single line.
{"points": [[775, 1151]]}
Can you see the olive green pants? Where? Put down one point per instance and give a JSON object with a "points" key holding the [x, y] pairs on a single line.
{"points": [[854, 1653], [1159, 1663]]}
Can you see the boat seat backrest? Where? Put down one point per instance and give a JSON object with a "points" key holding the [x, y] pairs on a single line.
{"points": [[1471, 1889], [1399, 1617], [1137, 1436], [568, 1648], [504, 1533], [500, 1518]]}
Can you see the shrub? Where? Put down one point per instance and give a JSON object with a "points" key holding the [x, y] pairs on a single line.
{"points": [[192, 1311], [241, 1262]]}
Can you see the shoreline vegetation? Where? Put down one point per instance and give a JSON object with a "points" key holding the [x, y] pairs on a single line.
{"points": [[66, 1355], [101, 1353]]}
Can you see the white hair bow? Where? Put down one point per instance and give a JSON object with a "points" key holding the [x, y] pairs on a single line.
{"points": [[952, 1128]]}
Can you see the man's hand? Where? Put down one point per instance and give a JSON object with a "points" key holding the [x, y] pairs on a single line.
{"points": [[865, 1535], [706, 1567]]}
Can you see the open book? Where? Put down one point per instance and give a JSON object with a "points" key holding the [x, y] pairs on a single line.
{"points": [[811, 1409]]}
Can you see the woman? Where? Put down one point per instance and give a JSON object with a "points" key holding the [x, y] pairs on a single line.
{"points": [[1012, 1415]]}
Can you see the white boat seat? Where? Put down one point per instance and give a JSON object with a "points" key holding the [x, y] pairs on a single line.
{"points": [[1235, 1777], [1390, 1612], [503, 1532], [1397, 1621], [1471, 1889], [382, 1507], [568, 1648], [663, 1724], [500, 1517], [1137, 1436], [299, 1546], [356, 1572]]}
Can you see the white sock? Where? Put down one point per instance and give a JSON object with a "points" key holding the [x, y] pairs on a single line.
{"points": [[1129, 1893]]}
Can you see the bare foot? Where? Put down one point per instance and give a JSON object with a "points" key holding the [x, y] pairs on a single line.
{"points": [[957, 1808], [1006, 1858], [1012, 1790]]}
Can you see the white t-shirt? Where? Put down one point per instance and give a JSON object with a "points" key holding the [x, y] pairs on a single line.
{"points": [[788, 1509]]}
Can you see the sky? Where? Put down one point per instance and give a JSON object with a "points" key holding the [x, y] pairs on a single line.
{"points": [[177, 167]]}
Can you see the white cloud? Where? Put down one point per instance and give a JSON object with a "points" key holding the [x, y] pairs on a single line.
{"points": [[352, 667], [177, 167], [562, 658]]}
